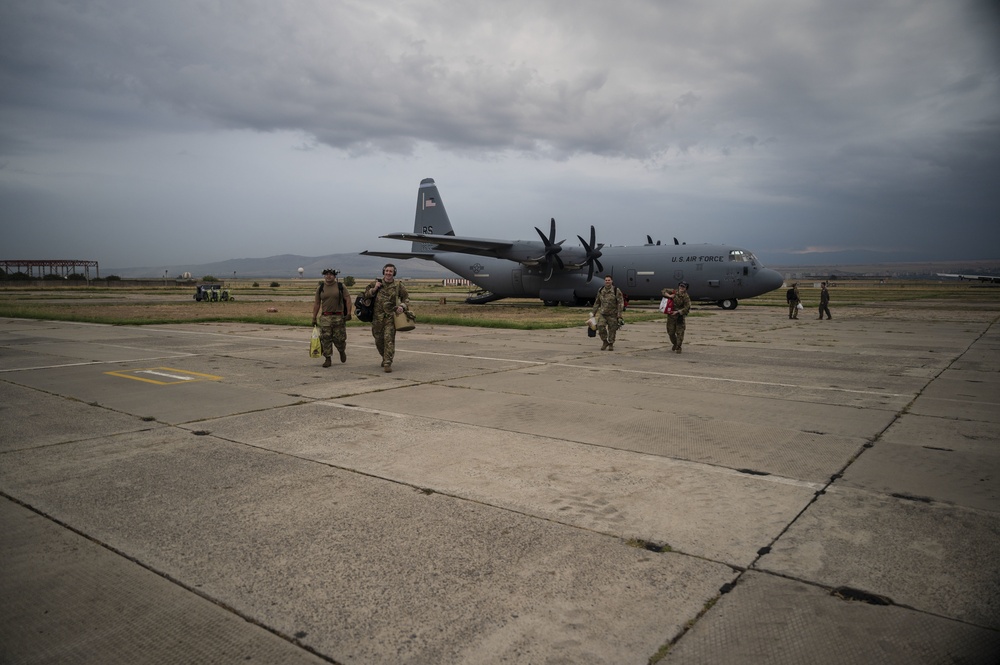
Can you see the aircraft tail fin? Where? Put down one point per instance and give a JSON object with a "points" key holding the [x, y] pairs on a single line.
{"points": [[431, 216]]}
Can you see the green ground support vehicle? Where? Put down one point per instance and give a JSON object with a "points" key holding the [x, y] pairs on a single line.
{"points": [[212, 292]]}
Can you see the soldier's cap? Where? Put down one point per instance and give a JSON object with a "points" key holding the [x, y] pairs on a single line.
{"points": [[331, 271], [684, 284]]}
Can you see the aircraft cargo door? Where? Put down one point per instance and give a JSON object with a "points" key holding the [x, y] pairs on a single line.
{"points": [[515, 281]]}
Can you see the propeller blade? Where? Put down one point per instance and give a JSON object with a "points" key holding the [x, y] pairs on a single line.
{"points": [[593, 252], [550, 245], [552, 249], [590, 264]]}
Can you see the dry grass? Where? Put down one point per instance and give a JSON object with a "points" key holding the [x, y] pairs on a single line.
{"points": [[292, 306], [431, 302]]}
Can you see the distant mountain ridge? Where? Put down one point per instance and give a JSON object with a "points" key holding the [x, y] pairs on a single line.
{"points": [[286, 266], [860, 263], [860, 257]]}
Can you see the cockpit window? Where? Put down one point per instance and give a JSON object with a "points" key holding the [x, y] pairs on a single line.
{"points": [[742, 255]]}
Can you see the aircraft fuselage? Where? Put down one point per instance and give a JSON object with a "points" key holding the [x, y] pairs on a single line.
{"points": [[641, 271]]}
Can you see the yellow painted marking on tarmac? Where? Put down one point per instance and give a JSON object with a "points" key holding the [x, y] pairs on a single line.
{"points": [[169, 375]]}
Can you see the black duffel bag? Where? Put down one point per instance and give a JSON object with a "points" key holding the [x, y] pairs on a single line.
{"points": [[364, 309]]}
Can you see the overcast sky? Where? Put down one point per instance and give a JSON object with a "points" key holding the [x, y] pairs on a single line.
{"points": [[153, 132]]}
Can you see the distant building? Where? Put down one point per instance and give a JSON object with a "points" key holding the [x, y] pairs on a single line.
{"points": [[36, 269]]}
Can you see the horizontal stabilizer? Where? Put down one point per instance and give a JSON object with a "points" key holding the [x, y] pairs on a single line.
{"points": [[464, 245], [399, 255]]}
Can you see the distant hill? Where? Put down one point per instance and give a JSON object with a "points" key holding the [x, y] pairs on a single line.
{"points": [[852, 264], [286, 266], [858, 258]]}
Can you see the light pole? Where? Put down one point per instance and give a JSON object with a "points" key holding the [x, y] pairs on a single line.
{"points": [[165, 276]]}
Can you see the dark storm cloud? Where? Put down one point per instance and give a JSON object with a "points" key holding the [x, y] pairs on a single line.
{"points": [[855, 114], [583, 77]]}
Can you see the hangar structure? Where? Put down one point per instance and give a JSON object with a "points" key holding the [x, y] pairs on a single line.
{"points": [[41, 268]]}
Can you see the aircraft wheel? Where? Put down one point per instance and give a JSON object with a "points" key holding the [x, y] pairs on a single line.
{"points": [[729, 303], [550, 303]]}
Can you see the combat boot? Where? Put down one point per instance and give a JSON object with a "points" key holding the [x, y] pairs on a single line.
{"points": [[604, 347], [327, 363], [343, 355]]}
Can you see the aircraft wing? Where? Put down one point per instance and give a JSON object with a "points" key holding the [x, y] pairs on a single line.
{"points": [[460, 244]]}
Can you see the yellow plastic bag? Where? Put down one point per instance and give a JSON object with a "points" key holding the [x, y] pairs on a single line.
{"points": [[315, 349]]}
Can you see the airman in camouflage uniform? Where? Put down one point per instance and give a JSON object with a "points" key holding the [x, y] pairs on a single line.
{"points": [[388, 296], [676, 323], [824, 301], [608, 307], [792, 296], [334, 301]]}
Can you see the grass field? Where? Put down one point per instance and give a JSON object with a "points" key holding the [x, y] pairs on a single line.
{"points": [[433, 303]]}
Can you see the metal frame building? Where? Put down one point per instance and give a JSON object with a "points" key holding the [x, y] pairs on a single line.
{"points": [[63, 267]]}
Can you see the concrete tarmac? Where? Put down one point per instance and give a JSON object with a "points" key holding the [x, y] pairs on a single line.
{"points": [[783, 491]]}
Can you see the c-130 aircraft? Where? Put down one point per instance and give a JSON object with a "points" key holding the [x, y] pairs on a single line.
{"points": [[545, 269]]}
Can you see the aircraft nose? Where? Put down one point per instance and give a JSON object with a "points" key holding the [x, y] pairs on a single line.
{"points": [[769, 279]]}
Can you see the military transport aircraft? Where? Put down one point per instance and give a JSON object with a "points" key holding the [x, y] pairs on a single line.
{"points": [[545, 269]]}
